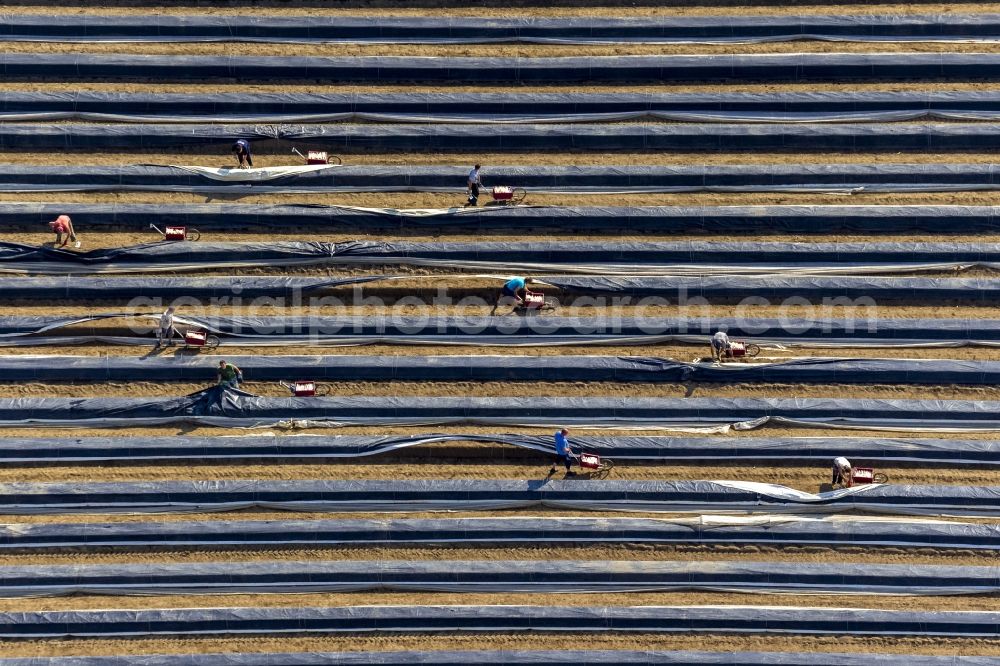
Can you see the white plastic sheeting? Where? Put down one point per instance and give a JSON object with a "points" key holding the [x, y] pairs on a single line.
{"points": [[256, 175]]}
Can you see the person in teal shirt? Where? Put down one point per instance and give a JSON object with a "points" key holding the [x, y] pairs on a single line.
{"points": [[515, 288]]}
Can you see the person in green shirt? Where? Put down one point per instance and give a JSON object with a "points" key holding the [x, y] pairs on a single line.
{"points": [[229, 375]]}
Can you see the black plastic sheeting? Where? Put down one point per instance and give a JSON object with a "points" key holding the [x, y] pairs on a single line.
{"points": [[512, 103], [506, 658], [515, 331], [217, 406], [624, 137], [841, 179], [491, 619], [169, 256], [508, 576], [478, 495], [818, 289], [710, 220], [542, 256], [884, 450], [509, 531], [502, 107], [463, 30], [374, 70], [512, 107], [347, 368]]}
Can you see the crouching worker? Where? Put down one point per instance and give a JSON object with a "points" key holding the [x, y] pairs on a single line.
{"points": [[564, 453], [721, 346], [229, 375], [62, 226], [842, 472], [241, 151], [166, 332], [514, 289]]}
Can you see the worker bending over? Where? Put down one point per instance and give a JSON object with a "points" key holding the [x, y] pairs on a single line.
{"points": [[229, 375], [62, 226], [241, 150], [166, 332], [516, 289], [721, 346], [564, 453], [842, 472]]}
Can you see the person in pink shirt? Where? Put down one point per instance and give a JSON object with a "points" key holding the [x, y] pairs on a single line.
{"points": [[62, 226]]}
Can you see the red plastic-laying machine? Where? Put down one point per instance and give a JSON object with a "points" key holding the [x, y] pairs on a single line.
{"points": [[590, 461], [317, 157], [503, 193], [533, 300], [175, 233], [737, 349], [862, 475], [195, 338], [303, 388]]}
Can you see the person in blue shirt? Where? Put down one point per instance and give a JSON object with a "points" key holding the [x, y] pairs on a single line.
{"points": [[515, 288], [564, 453], [241, 150]]}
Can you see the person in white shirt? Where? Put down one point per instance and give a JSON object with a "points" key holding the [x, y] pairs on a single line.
{"points": [[165, 333], [720, 344], [841, 471], [473, 186]]}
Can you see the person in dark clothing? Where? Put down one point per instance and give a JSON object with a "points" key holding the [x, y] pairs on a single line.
{"points": [[241, 149], [472, 186]]}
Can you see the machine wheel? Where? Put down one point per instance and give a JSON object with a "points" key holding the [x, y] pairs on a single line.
{"points": [[524, 312], [211, 342], [550, 305], [880, 477], [519, 194], [330, 160], [605, 470], [752, 350], [193, 234], [321, 389]]}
